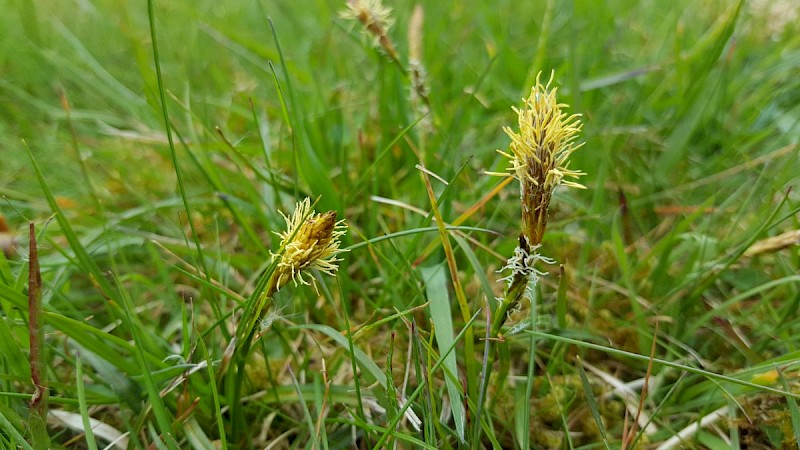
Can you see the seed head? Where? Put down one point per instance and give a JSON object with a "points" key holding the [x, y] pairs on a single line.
{"points": [[539, 154], [377, 20], [311, 241]]}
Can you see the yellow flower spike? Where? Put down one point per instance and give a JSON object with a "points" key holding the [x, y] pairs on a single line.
{"points": [[311, 241], [539, 155]]}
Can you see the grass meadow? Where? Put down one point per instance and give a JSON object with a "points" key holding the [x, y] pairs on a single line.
{"points": [[152, 153]]}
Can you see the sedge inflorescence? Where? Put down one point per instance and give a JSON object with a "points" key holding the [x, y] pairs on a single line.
{"points": [[539, 159], [376, 19], [311, 241], [539, 154]]}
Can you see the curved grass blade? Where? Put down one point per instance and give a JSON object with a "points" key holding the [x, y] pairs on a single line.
{"points": [[439, 306]]}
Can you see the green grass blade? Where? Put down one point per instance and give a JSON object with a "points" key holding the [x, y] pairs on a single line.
{"points": [[7, 419], [364, 361], [87, 425], [162, 416], [168, 130], [435, 279], [87, 263], [656, 361], [794, 410], [592, 403], [561, 298], [215, 396], [197, 437]]}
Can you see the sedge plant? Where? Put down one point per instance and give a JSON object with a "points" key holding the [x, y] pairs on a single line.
{"points": [[539, 159], [311, 241]]}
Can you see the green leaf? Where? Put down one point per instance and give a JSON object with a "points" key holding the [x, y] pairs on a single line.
{"points": [[442, 316], [87, 425], [561, 298], [591, 401]]}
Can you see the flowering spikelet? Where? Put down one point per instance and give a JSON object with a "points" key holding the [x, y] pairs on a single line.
{"points": [[311, 241], [539, 155], [376, 18]]}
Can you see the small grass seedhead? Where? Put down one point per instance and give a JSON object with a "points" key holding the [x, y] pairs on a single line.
{"points": [[311, 241], [539, 154], [377, 20], [371, 13]]}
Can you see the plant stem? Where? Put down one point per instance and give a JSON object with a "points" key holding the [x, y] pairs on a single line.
{"points": [[245, 336]]}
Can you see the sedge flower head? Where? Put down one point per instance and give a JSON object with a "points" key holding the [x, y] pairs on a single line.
{"points": [[539, 154], [311, 241], [371, 13], [376, 19]]}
